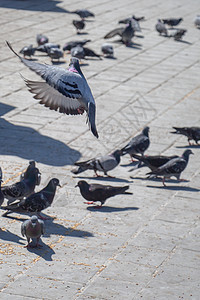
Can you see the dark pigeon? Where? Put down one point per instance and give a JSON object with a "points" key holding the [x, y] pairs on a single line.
{"points": [[177, 33], [33, 229], [46, 47], [36, 202], [103, 163], [28, 51], [41, 39], [1, 194], [160, 27], [55, 53], [99, 192], [174, 167], [23, 188], [83, 13], [64, 90], [79, 25], [31, 166], [172, 21], [126, 20], [107, 50], [192, 133], [69, 45], [138, 144], [126, 33], [153, 162]]}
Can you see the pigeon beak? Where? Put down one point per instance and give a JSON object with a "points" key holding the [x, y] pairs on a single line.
{"points": [[59, 185], [76, 185]]}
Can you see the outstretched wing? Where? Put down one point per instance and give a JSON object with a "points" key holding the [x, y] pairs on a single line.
{"points": [[117, 31]]}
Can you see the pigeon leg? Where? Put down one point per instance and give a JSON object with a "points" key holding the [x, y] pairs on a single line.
{"points": [[133, 160], [109, 176], [37, 244], [163, 181], [182, 179], [189, 142], [98, 206], [97, 175], [89, 202]]}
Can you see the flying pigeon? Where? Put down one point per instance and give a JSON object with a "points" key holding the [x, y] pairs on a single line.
{"points": [[160, 27], [33, 229], [173, 167], [99, 192], [28, 51], [197, 21], [31, 166], [107, 50], [192, 133], [63, 90], [153, 162], [1, 194], [83, 13], [36, 202], [69, 45], [126, 20], [126, 33], [79, 25], [55, 53], [23, 188], [137, 144], [172, 21], [46, 47], [103, 163], [41, 39]]}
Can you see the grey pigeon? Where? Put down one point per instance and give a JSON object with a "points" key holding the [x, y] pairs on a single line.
{"points": [[99, 192], [33, 229], [173, 167], [197, 21], [63, 90], [55, 53], [160, 27], [36, 202], [192, 133], [46, 47], [1, 194], [153, 161], [83, 52], [69, 45], [83, 13], [172, 21], [79, 25], [28, 51], [41, 39], [177, 33], [23, 188], [107, 50], [126, 33], [137, 144], [103, 163], [31, 166], [126, 20]]}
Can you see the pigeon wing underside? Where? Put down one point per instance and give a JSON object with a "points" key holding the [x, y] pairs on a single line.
{"points": [[117, 31], [53, 99]]}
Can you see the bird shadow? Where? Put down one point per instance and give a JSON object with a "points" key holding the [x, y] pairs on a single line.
{"points": [[103, 178], [110, 57], [44, 252], [156, 179], [188, 146], [32, 59], [6, 235], [84, 64], [58, 62], [176, 188], [51, 5], [82, 33], [28, 143], [134, 46], [183, 41], [131, 164], [109, 209], [139, 36]]}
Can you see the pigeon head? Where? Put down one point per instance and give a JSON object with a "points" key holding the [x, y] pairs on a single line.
{"points": [[32, 163], [34, 220], [187, 153], [145, 131], [55, 182], [74, 65], [82, 184]]}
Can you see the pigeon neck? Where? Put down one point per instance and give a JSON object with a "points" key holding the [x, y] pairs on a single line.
{"points": [[72, 69], [117, 156]]}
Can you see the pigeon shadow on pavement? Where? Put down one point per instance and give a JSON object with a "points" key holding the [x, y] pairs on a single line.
{"points": [[158, 179], [188, 146], [29, 144], [58, 229], [57, 63], [44, 252], [184, 42], [38, 5], [109, 209], [176, 188], [6, 235], [82, 33], [104, 178]]}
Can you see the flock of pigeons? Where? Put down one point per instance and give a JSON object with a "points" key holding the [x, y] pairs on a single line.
{"points": [[68, 92]]}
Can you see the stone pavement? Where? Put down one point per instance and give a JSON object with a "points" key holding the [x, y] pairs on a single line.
{"points": [[145, 246]]}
